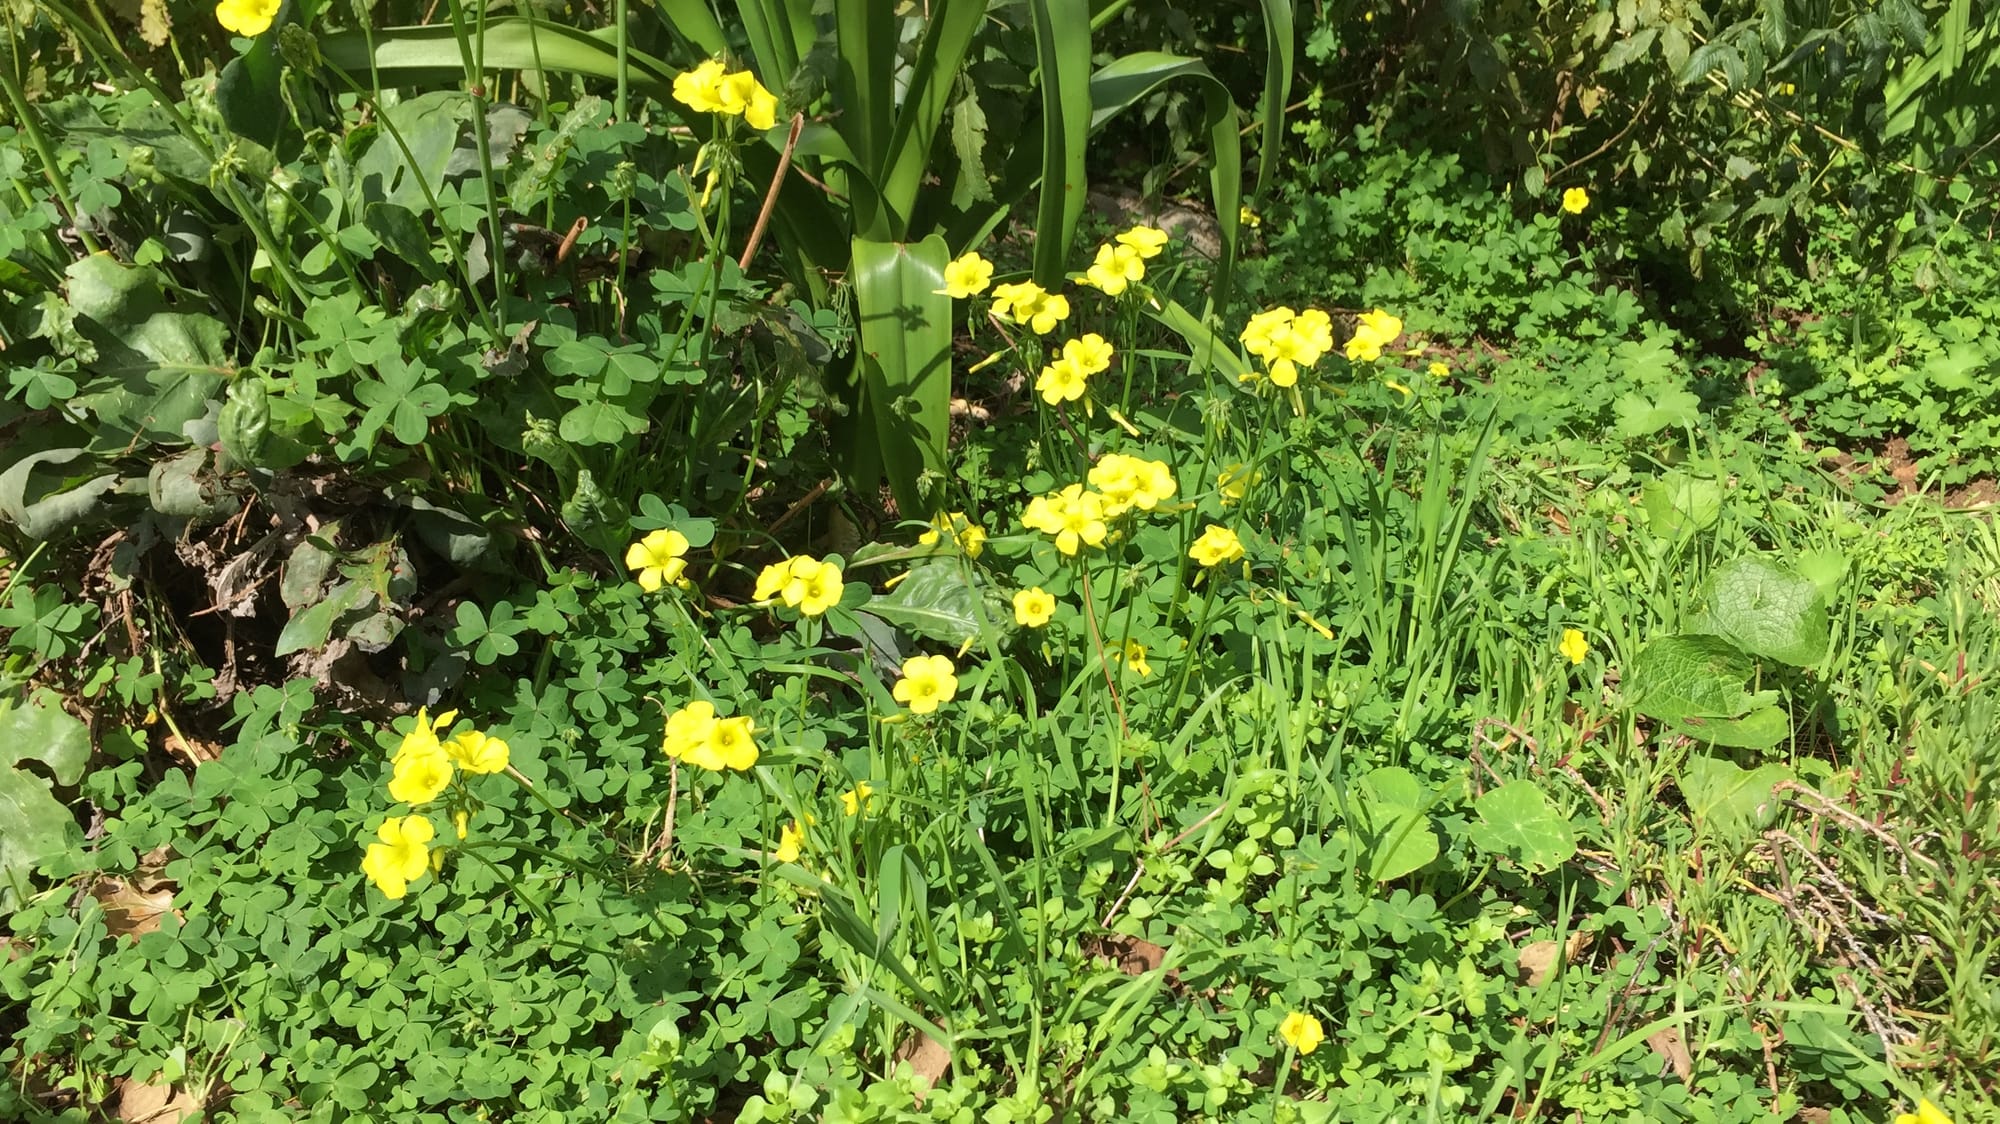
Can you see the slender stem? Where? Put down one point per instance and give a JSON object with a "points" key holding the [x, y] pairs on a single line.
{"points": [[475, 70], [1194, 642], [29, 125]]}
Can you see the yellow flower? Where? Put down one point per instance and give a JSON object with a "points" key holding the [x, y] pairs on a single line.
{"points": [[687, 727], [1073, 517], [1373, 332], [726, 743], [1025, 302], [1927, 1113], [1135, 658], [966, 275], [927, 683], [423, 737], [1405, 391], [1217, 545], [660, 559], [858, 798], [1129, 482], [401, 857], [700, 89], [804, 583], [1233, 483], [1248, 217], [1061, 381], [1302, 1032], [1288, 341], [1089, 352], [1147, 241], [1034, 608], [420, 776], [458, 822], [477, 753], [1575, 200], [1262, 328], [1438, 370], [1573, 646], [970, 536], [742, 95], [248, 17], [791, 842], [1116, 267]]}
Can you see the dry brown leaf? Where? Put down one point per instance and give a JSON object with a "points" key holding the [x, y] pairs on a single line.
{"points": [[193, 750], [132, 907], [1669, 1045], [155, 27], [144, 1103], [1537, 959], [927, 1059]]}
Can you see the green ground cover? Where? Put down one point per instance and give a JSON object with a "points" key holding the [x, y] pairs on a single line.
{"points": [[639, 563]]}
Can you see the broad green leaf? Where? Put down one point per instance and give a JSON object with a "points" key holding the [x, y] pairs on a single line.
{"points": [[43, 502], [1770, 611], [1678, 677], [169, 363], [1733, 802], [1642, 415], [948, 34], [905, 328], [313, 625], [33, 825], [1680, 505], [934, 600], [1517, 821], [1760, 729], [1394, 835]]}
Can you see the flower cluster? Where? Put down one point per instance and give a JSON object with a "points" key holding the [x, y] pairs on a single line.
{"points": [[1373, 331], [1122, 260], [659, 559], [1131, 482], [969, 536], [1074, 517], [1065, 379], [928, 682], [804, 583], [247, 17], [1288, 341], [714, 88], [697, 736], [1025, 302], [421, 770]]}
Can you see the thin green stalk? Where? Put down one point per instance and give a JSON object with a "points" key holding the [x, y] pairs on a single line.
{"points": [[475, 71], [58, 183], [1194, 645]]}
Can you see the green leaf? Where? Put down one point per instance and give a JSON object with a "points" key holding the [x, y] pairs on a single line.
{"points": [[934, 600], [1394, 835], [1681, 505], [1760, 729], [312, 626], [1641, 415], [1517, 821], [905, 328], [1278, 46], [1770, 611], [44, 503], [1731, 801], [1062, 55], [34, 826], [1677, 677], [169, 364], [430, 54]]}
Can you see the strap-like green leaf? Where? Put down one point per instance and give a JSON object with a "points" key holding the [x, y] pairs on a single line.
{"points": [[905, 327], [1278, 45], [1062, 51]]}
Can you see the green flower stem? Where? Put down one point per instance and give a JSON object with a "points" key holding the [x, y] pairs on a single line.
{"points": [[1194, 644], [58, 183], [475, 70]]}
